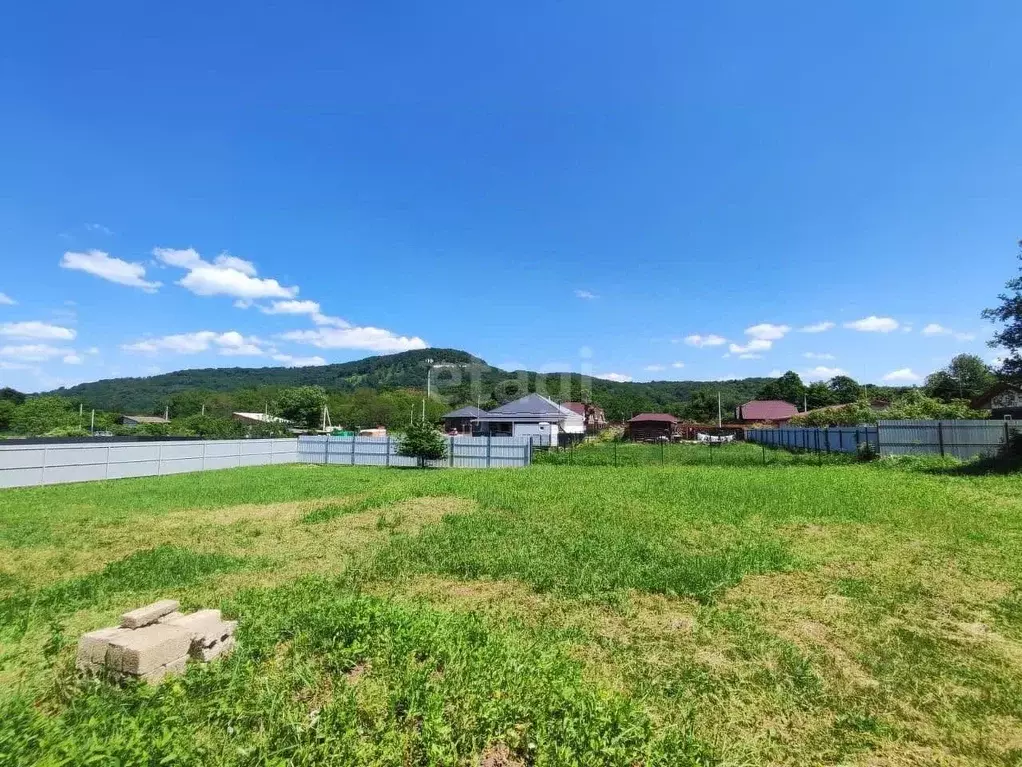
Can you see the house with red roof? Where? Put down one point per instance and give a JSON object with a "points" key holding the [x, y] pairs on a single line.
{"points": [[595, 419], [773, 411]]}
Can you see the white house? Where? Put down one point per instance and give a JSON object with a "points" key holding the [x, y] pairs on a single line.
{"points": [[531, 416]]}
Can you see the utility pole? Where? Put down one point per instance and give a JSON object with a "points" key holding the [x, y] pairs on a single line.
{"points": [[203, 409], [720, 420], [92, 425], [166, 412], [805, 403]]}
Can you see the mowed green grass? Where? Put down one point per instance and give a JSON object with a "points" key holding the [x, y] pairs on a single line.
{"points": [[740, 614]]}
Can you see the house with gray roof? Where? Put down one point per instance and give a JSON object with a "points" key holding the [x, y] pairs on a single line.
{"points": [[531, 416], [463, 420]]}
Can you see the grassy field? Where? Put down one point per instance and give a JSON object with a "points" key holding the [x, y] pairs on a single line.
{"points": [[562, 615]]}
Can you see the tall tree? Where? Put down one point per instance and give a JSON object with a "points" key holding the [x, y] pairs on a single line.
{"points": [[845, 389], [819, 394], [965, 377], [788, 387], [1009, 314], [302, 405]]}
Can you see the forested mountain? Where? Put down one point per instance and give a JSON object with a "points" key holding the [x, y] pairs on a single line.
{"points": [[468, 380]]}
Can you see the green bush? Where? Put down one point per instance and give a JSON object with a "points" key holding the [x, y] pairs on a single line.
{"points": [[422, 441]]}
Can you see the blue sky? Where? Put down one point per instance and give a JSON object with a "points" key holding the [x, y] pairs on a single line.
{"points": [[669, 190]]}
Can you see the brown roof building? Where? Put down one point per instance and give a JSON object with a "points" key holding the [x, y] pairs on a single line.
{"points": [[651, 427], [766, 411]]}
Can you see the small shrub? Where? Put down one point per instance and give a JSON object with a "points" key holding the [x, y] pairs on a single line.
{"points": [[423, 442]]}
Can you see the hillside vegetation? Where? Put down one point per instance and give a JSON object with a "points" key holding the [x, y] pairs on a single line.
{"points": [[251, 388]]}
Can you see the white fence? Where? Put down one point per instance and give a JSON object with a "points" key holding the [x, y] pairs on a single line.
{"points": [[462, 452], [24, 465]]}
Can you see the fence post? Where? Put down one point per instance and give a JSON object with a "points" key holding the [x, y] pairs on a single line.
{"points": [[326, 449], [1006, 433], [940, 436], [451, 452], [203, 455], [353, 450], [489, 444], [387, 461], [159, 459], [106, 474]]}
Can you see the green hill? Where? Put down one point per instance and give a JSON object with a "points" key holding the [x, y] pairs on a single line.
{"points": [[407, 370]]}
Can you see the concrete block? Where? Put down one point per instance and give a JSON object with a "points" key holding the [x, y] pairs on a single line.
{"points": [[206, 628], [144, 616], [224, 647], [92, 647], [143, 650], [157, 675], [171, 617]]}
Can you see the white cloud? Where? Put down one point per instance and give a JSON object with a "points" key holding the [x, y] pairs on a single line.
{"points": [[310, 308], [655, 368], [819, 327], [92, 350], [186, 258], [619, 377], [750, 356], [5, 365], [766, 331], [873, 324], [72, 359], [32, 352], [220, 281], [42, 331], [935, 329], [227, 276], [231, 343], [585, 294], [775, 373], [227, 261], [902, 375], [822, 372], [105, 266], [372, 339], [677, 365], [754, 346], [818, 356], [98, 228], [291, 307], [298, 362], [6, 300], [710, 340]]}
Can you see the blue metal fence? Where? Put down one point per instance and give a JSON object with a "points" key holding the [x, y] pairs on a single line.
{"points": [[838, 439]]}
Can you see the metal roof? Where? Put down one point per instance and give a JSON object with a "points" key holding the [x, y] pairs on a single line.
{"points": [[767, 410], [469, 411], [654, 417], [147, 418], [531, 407]]}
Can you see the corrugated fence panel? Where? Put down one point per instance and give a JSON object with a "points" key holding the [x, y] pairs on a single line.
{"points": [[958, 439], [836, 439], [462, 452], [76, 462]]}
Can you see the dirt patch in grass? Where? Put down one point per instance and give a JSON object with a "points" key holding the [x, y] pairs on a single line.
{"points": [[499, 756]]}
